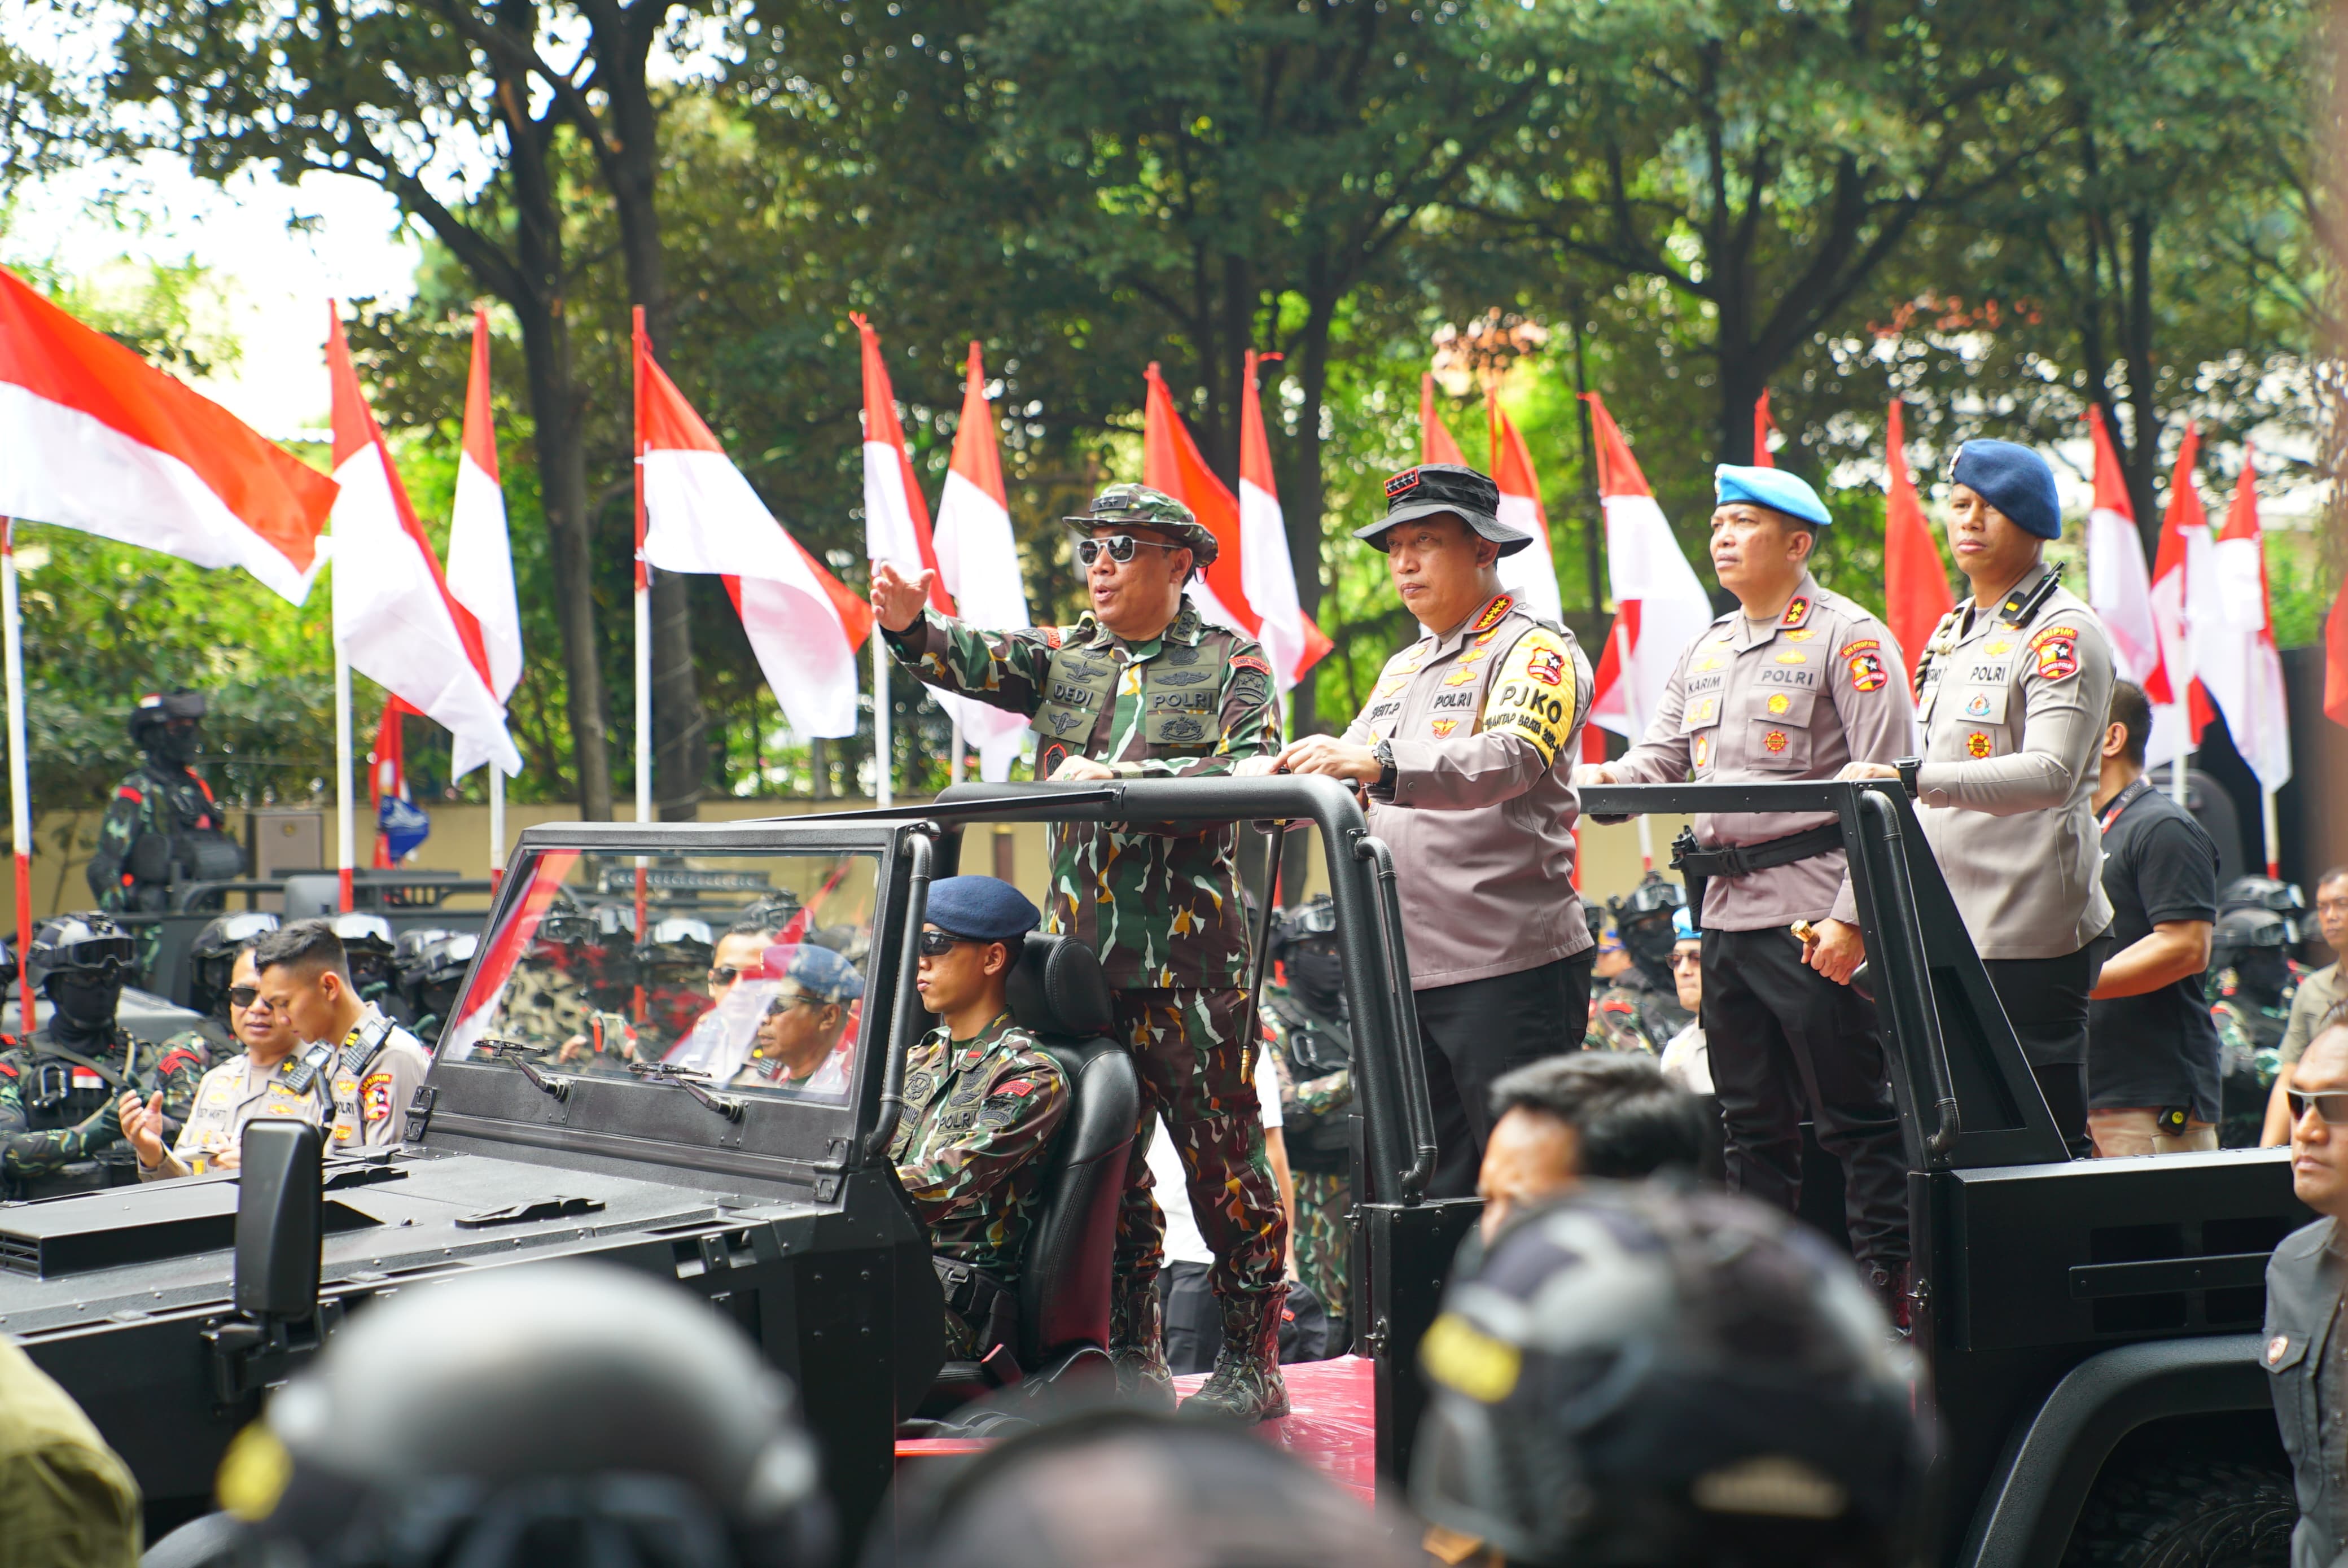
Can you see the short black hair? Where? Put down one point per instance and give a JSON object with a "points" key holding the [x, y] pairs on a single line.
{"points": [[2132, 711], [2331, 875], [310, 945], [1630, 1120]]}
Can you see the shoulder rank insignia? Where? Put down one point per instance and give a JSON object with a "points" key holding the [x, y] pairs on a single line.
{"points": [[1797, 612], [1492, 614]]}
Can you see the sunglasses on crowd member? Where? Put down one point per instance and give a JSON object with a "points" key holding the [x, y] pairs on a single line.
{"points": [[784, 1001], [1121, 547], [938, 943], [247, 998], [724, 974], [2332, 1105], [1687, 960]]}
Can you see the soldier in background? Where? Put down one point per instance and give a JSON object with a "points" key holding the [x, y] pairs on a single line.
{"points": [[1142, 687], [367, 946], [1305, 1019], [162, 826], [1637, 1009], [59, 1131], [2250, 990]]}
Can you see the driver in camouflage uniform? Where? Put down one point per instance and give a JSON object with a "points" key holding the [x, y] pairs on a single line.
{"points": [[1142, 687]]}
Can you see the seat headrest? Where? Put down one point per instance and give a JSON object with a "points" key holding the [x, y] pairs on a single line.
{"points": [[1057, 988]]}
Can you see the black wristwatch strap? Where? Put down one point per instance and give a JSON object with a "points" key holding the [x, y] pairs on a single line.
{"points": [[1383, 754], [1909, 768]]}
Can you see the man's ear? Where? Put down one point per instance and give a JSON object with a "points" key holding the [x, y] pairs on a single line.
{"points": [[1488, 551], [2115, 739], [329, 984], [997, 960], [1801, 543]]}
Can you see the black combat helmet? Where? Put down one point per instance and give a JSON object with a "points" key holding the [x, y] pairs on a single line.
{"points": [[1672, 1379], [2281, 898], [80, 962], [430, 983], [2254, 944], [170, 724], [679, 940], [368, 948], [566, 1412], [1644, 921], [212, 956]]}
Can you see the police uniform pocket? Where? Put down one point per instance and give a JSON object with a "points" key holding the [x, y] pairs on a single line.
{"points": [[1979, 703], [1777, 746], [1702, 711]]}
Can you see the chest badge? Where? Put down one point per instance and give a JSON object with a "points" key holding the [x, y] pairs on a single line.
{"points": [[1977, 706], [2276, 1346], [1461, 675], [1704, 752], [1442, 728], [1997, 646], [1780, 703], [1792, 657], [1801, 634], [1977, 745], [1774, 742]]}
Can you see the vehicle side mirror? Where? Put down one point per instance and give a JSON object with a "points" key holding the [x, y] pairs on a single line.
{"points": [[150, 858], [280, 1208]]}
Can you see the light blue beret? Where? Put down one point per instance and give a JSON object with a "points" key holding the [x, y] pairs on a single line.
{"points": [[821, 973], [1773, 488]]}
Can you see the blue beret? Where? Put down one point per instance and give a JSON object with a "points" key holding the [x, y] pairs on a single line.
{"points": [[982, 909], [1773, 488], [818, 971], [1683, 928], [2015, 480]]}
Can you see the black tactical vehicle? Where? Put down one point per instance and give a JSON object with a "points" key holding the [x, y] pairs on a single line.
{"points": [[2089, 1329]]}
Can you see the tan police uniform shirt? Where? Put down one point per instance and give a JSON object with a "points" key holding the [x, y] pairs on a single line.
{"points": [[2014, 714], [231, 1095], [1795, 697], [373, 1075], [1484, 722]]}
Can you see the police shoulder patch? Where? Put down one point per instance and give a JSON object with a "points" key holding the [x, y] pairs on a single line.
{"points": [[2058, 652], [1492, 614], [1251, 661]]}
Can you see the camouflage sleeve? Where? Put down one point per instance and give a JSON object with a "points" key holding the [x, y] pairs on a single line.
{"points": [[25, 1154], [179, 1068], [125, 820], [1001, 669], [1251, 724], [1023, 1108], [1306, 1097]]}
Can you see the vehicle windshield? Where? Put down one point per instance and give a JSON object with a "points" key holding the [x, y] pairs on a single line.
{"points": [[745, 971]]}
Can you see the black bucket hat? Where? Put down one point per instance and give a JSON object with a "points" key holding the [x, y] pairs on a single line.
{"points": [[1433, 488]]}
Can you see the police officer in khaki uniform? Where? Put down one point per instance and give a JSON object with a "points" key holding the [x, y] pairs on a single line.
{"points": [[375, 1065], [1463, 752], [271, 1078], [2014, 690], [1795, 683]]}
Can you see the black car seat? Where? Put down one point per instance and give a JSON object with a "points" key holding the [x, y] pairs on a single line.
{"points": [[1056, 991]]}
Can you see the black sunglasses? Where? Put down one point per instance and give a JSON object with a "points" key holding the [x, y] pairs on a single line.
{"points": [[938, 943], [724, 975], [1119, 546], [246, 996], [2332, 1105]]}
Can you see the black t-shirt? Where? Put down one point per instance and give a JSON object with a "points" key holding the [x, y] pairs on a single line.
{"points": [[2158, 1049]]}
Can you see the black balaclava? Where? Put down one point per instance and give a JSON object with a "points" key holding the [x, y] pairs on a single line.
{"points": [[84, 1002], [1318, 976]]}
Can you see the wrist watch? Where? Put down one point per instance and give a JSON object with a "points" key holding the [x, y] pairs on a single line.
{"points": [[1383, 755], [1908, 768]]}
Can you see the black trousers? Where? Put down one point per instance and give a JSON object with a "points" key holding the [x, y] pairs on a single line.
{"points": [[1786, 1040], [2045, 1000], [1475, 1032]]}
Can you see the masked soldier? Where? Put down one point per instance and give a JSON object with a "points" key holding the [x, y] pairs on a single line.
{"points": [[1795, 683], [2250, 987], [431, 981], [1639, 1009], [162, 826], [367, 945], [1142, 687], [1304, 1019], [59, 1131]]}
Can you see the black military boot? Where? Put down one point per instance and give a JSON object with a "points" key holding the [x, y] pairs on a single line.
{"points": [[1246, 1385], [1137, 1343]]}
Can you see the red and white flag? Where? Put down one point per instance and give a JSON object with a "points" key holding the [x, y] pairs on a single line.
{"points": [[1267, 574], [94, 438], [978, 562], [1434, 442], [1764, 428], [896, 518], [1171, 462], [701, 515], [1915, 584], [2119, 588], [2182, 587], [480, 554], [1530, 574], [2237, 662], [394, 618], [1660, 606]]}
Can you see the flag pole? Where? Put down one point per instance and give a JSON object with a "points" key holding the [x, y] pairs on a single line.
{"points": [[20, 799], [346, 852], [497, 825], [953, 764], [2266, 823], [883, 749], [644, 653], [1638, 728], [2177, 778]]}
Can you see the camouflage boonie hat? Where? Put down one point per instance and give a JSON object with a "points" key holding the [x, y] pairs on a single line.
{"points": [[1141, 506]]}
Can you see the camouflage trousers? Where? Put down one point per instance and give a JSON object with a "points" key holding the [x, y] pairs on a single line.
{"points": [[1187, 1049], [1323, 1246]]}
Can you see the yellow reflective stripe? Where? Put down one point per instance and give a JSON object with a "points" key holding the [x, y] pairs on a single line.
{"points": [[1533, 693]]}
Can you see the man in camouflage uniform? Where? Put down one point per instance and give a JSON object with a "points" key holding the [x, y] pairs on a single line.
{"points": [[981, 1103], [2251, 987], [165, 798], [1306, 1022], [1142, 687], [1637, 1009], [59, 1130]]}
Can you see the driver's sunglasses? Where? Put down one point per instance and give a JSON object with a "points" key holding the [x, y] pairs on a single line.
{"points": [[785, 1000], [1121, 547], [247, 998], [938, 943], [724, 975], [2331, 1105]]}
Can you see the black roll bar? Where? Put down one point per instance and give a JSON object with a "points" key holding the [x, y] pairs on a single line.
{"points": [[921, 848]]}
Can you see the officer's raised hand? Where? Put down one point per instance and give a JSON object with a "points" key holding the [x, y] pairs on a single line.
{"points": [[1838, 951], [1073, 769], [143, 1127], [897, 600]]}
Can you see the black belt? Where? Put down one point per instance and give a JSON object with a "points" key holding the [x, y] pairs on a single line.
{"points": [[1691, 858], [971, 1291]]}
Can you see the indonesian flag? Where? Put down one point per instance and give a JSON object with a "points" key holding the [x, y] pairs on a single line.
{"points": [[1660, 607], [1764, 428], [394, 618], [2335, 658], [896, 518], [2117, 585], [1267, 574], [1171, 462], [1915, 584], [978, 562], [2182, 589], [2238, 662], [1434, 442], [401, 825], [701, 515], [480, 556], [94, 438], [1530, 574]]}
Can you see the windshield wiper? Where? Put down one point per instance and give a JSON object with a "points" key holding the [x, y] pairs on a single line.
{"points": [[504, 1049], [689, 1081]]}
